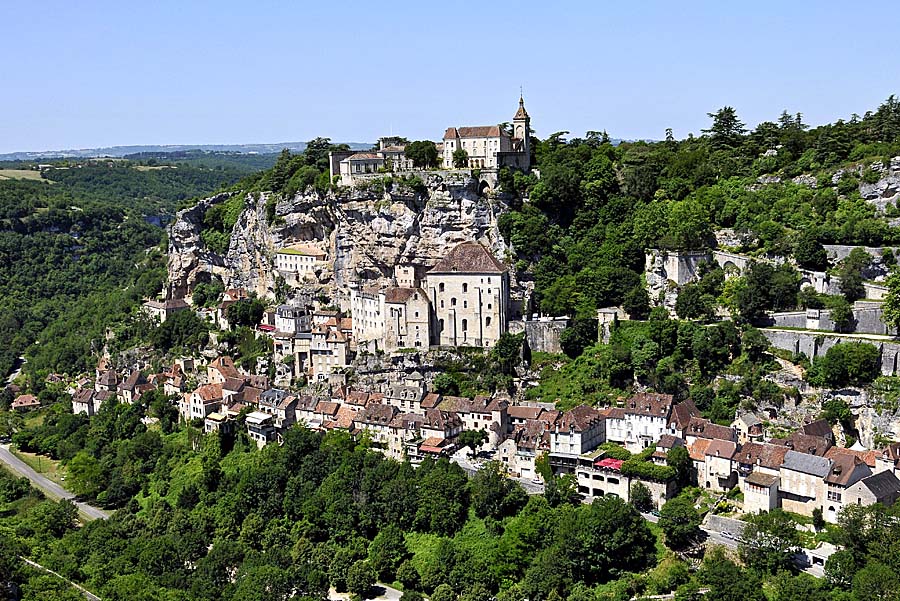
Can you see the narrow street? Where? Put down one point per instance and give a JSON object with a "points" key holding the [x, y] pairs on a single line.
{"points": [[49, 488]]}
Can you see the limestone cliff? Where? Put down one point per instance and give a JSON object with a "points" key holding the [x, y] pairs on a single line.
{"points": [[366, 232]]}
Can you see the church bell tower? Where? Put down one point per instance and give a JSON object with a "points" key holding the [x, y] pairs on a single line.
{"points": [[521, 127]]}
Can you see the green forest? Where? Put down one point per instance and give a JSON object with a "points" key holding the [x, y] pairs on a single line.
{"points": [[84, 242]]}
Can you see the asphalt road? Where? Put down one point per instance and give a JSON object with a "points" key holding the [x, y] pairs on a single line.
{"points": [[49, 487]]}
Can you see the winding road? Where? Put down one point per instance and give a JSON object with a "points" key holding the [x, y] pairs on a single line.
{"points": [[49, 487]]}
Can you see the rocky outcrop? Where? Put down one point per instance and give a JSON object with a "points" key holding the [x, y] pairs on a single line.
{"points": [[365, 232], [190, 262]]}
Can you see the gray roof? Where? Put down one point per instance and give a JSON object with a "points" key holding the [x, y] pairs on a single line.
{"points": [[806, 464], [749, 419], [882, 484]]}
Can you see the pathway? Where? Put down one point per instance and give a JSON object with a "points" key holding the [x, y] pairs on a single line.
{"points": [[88, 595], [49, 487]]}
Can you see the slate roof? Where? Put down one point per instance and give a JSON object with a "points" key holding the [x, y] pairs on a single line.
{"points": [[806, 464], [476, 131], [108, 378], [523, 412], [667, 441], [846, 469], [652, 404], [805, 443], [468, 257], [579, 419], [703, 428], [882, 484], [819, 427], [377, 414], [682, 414], [83, 395]]}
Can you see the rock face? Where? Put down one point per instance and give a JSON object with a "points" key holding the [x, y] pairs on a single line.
{"points": [[365, 232], [190, 262]]}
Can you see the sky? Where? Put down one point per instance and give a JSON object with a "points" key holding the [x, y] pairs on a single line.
{"points": [[91, 74]]}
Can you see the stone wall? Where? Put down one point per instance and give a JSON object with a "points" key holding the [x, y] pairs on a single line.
{"points": [[814, 344], [866, 320], [542, 334]]}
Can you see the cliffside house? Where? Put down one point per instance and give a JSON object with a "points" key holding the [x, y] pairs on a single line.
{"points": [[299, 262], [162, 310]]}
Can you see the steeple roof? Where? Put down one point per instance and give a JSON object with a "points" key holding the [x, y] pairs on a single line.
{"points": [[521, 113]]}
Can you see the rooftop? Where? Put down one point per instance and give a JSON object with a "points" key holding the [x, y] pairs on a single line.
{"points": [[468, 257]]}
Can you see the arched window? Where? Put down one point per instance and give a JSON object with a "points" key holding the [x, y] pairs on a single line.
{"points": [[441, 287], [465, 325], [441, 326], [465, 304], [487, 321], [453, 302], [465, 287]]}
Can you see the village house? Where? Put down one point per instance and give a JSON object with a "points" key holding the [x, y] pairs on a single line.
{"points": [[128, 388], [162, 310], [221, 369], [407, 396], [107, 380], [760, 492], [469, 295], [441, 425], [598, 476], [748, 428], [640, 423], [218, 422], [491, 146], [703, 428], [299, 263], [521, 448], [407, 318], [681, 416], [83, 401], [480, 413], [200, 403], [260, 428], [292, 319], [376, 420], [25, 402], [801, 486], [883, 487], [328, 350], [576, 432], [719, 473], [847, 468]]}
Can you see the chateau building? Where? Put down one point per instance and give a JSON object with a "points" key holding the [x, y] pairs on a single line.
{"points": [[492, 146]]}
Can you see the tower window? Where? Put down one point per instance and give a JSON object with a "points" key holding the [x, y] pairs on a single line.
{"points": [[465, 287], [465, 325], [441, 287], [453, 302], [487, 321]]}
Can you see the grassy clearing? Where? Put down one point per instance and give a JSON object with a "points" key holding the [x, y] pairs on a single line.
{"points": [[20, 174], [45, 466]]}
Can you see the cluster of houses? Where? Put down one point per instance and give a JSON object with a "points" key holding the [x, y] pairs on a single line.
{"points": [[485, 146], [800, 473]]}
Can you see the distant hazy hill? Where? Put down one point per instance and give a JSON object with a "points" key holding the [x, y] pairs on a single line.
{"points": [[121, 151]]}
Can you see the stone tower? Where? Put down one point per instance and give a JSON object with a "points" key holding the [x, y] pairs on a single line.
{"points": [[521, 127]]}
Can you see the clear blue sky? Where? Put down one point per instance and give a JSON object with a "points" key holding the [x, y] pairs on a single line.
{"points": [[88, 74]]}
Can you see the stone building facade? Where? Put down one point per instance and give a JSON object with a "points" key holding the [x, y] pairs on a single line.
{"points": [[469, 294], [492, 146]]}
